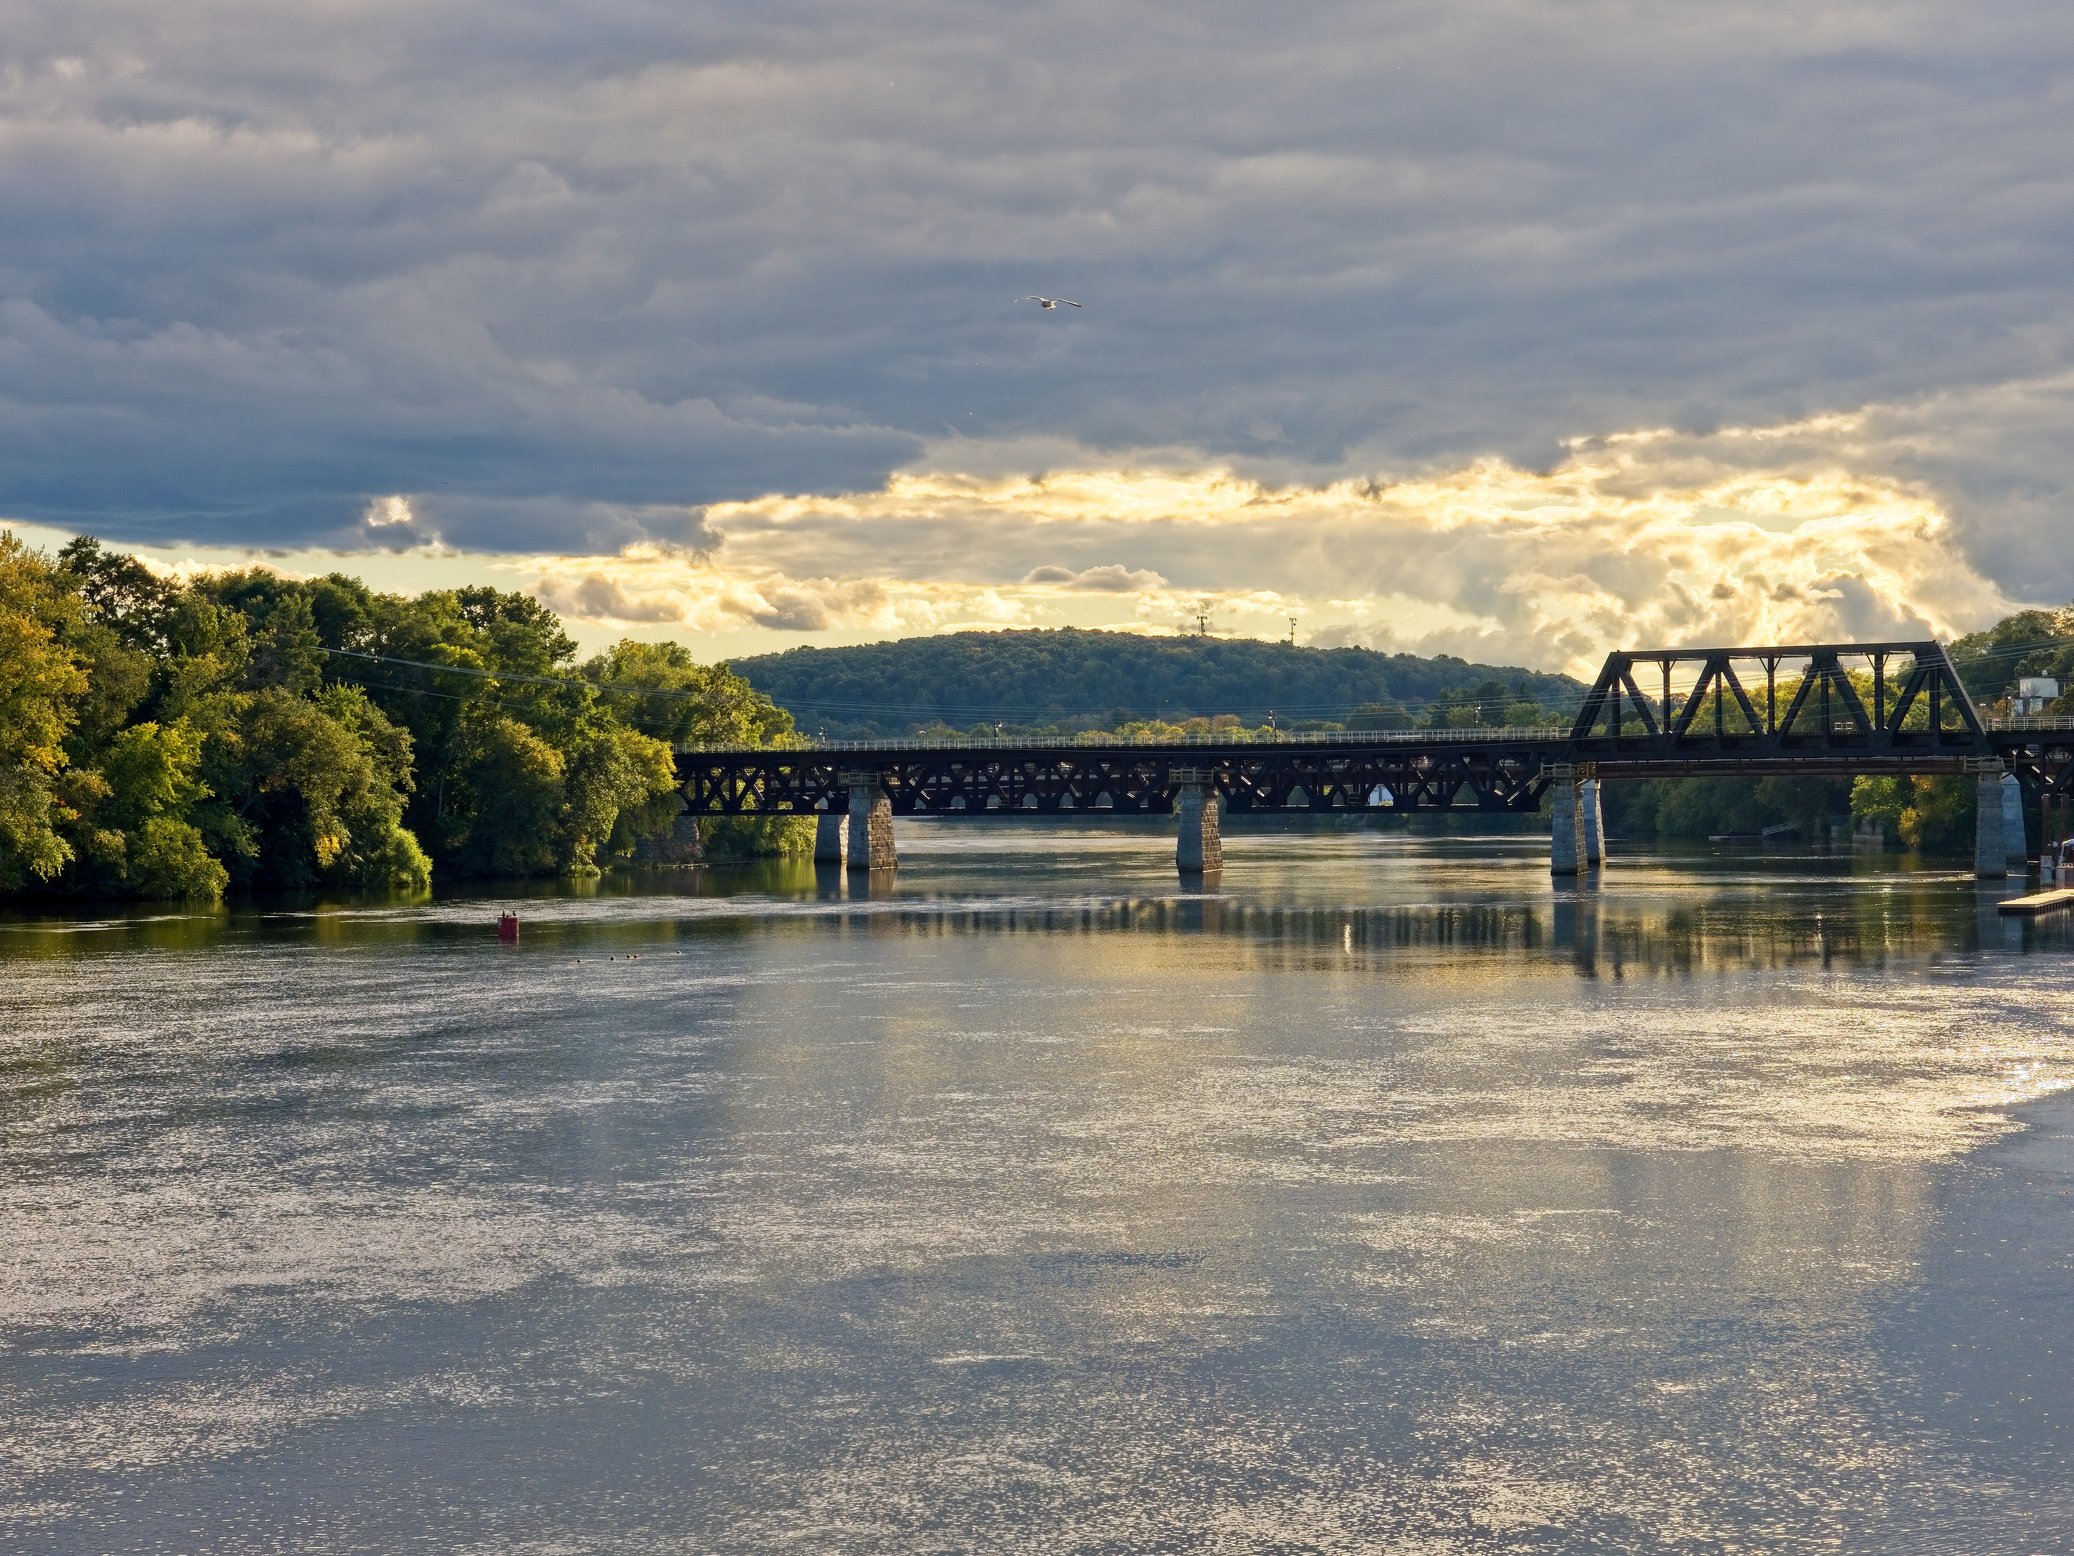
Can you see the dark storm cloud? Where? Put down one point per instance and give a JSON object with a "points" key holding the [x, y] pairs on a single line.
{"points": [[561, 273]]}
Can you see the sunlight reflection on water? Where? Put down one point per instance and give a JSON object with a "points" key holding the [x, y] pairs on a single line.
{"points": [[1384, 1194]]}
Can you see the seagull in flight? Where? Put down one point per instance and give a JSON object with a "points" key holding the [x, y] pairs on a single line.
{"points": [[1048, 303]]}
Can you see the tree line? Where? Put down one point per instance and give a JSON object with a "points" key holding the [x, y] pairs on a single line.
{"points": [[1072, 680], [243, 730]]}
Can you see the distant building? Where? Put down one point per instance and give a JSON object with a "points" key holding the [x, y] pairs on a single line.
{"points": [[2034, 694]]}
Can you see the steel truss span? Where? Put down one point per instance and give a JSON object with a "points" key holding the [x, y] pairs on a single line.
{"points": [[1831, 710], [1287, 775]]}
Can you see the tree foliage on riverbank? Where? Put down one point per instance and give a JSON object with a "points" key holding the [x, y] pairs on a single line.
{"points": [[246, 730]]}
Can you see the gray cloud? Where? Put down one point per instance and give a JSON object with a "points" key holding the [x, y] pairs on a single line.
{"points": [[808, 605], [594, 595], [562, 274], [1110, 578]]}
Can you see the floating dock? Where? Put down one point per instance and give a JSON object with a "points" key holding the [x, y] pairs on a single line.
{"points": [[2038, 902]]}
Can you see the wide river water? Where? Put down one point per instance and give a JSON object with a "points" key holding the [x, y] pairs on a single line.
{"points": [[1383, 1199]]}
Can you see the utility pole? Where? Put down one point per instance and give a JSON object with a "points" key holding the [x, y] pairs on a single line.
{"points": [[1292, 632]]}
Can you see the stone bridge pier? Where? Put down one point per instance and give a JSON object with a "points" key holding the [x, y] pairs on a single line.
{"points": [[1999, 845], [831, 832], [1577, 825], [2015, 846], [1199, 849], [871, 822], [1591, 823]]}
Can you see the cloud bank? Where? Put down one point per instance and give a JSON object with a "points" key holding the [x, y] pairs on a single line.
{"points": [[1628, 541], [539, 278]]}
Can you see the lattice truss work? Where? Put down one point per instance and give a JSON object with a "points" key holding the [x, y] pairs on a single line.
{"points": [[2043, 762], [1507, 776], [1861, 699]]}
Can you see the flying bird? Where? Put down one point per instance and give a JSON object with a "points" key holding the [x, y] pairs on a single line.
{"points": [[1049, 302]]}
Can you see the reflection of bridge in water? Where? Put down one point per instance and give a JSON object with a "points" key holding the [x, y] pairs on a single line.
{"points": [[1822, 710]]}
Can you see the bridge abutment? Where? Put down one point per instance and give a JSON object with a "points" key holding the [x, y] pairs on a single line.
{"points": [[871, 823], [1199, 846], [1990, 852], [1563, 829]]}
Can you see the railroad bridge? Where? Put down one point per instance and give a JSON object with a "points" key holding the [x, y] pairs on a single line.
{"points": [[1823, 710]]}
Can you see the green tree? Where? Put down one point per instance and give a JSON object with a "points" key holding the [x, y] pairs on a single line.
{"points": [[144, 840], [121, 592], [314, 784], [1379, 716], [507, 796], [613, 773], [1934, 813], [662, 691], [41, 684], [2030, 642]]}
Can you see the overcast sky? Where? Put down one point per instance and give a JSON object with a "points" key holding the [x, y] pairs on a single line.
{"points": [[1510, 328]]}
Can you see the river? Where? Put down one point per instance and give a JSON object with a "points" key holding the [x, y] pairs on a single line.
{"points": [[1382, 1199]]}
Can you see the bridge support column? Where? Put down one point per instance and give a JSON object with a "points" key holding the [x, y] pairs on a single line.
{"points": [[1591, 824], [871, 822], [2015, 847], [1199, 849], [1990, 854], [1562, 829], [831, 828]]}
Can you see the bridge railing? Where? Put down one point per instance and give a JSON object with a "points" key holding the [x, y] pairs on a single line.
{"points": [[1098, 741], [2041, 723]]}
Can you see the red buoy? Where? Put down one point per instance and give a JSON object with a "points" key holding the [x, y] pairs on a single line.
{"points": [[507, 926]]}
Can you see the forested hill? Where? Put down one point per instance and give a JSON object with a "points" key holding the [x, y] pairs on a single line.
{"points": [[1073, 679]]}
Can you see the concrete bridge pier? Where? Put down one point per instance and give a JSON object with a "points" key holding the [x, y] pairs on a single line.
{"points": [[1199, 848], [831, 830], [2015, 847], [1564, 833], [1990, 852], [871, 823], [1591, 824]]}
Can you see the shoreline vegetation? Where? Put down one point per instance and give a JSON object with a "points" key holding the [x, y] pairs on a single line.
{"points": [[243, 731]]}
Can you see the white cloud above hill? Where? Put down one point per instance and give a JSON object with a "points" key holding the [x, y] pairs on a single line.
{"points": [[1751, 534]]}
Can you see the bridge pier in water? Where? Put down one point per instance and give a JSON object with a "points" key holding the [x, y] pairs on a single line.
{"points": [[1990, 847], [1591, 824], [1564, 831], [831, 828], [871, 822], [1577, 824], [1199, 847], [2015, 847]]}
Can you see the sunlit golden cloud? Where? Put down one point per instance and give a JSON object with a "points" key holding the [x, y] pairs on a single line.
{"points": [[1632, 539]]}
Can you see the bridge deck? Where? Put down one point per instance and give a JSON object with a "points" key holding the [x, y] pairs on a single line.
{"points": [[1492, 770]]}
